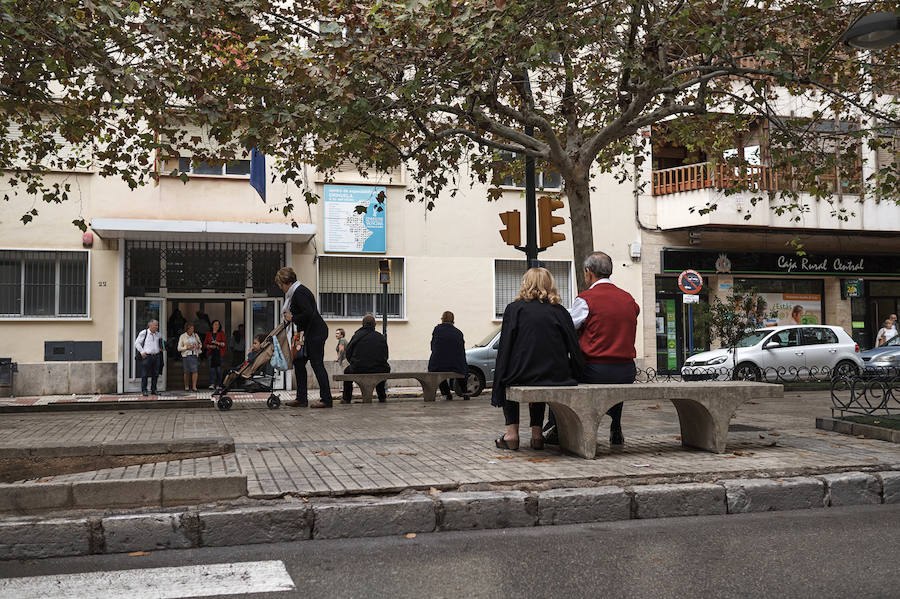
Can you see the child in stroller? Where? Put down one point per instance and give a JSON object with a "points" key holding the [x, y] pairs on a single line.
{"points": [[256, 373]]}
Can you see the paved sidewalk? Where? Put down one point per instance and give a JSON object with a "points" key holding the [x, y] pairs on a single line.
{"points": [[407, 443]]}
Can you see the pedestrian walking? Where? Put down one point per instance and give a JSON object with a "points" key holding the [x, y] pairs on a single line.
{"points": [[215, 346], [538, 347], [147, 347], [341, 348], [606, 319], [448, 354], [189, 346], [367, 352], [300, 309]]}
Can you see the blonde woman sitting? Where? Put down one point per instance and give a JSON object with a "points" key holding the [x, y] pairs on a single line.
{"points": [[538, 346]]}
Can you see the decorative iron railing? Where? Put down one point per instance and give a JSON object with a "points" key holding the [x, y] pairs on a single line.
{"points": [[874, 391]]}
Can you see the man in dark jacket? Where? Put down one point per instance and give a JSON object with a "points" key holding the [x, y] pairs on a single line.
{"points": [[367, 352], [300, 308], [448, 354]]}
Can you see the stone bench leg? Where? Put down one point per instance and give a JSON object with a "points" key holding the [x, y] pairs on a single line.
{"points": [[577, 429], [705, 426], [429, 389], [366, 390]]}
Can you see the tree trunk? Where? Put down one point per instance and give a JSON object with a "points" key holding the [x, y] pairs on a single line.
{"points": [[579, 193]]}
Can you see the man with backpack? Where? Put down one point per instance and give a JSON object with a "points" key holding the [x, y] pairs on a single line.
{"points": [[146, 348]]}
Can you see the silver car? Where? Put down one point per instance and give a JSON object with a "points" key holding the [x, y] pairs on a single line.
{"points": [[883, 360], [792, 352], [482, 361]]}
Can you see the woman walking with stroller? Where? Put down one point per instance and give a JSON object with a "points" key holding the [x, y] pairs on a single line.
{"points": [[215, 346]]}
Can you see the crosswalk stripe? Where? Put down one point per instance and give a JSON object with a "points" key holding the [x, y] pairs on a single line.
{"points": [[155, 583]]}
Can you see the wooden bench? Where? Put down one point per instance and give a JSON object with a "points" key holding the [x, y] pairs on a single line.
{"points": [[428, 380], [704, 408]]}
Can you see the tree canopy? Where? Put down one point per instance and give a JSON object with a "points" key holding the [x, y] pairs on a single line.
{"points": [[436, 83]]}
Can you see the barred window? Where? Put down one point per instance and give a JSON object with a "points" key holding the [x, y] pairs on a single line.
{"points": [[43, 283], [508, 279], [349, 288]]}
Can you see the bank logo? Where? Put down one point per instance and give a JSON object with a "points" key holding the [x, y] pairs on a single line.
{"points": [[723, 264]]}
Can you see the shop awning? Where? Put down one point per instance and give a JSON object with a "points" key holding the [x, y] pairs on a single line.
{"points": [[201, 230]]}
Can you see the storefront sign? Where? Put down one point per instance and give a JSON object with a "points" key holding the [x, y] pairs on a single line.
{"points": [[671, 346], [851, 288], [779, 263], [355, 219]]}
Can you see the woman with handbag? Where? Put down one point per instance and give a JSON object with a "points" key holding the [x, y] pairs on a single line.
{"points": [[215, 346]]}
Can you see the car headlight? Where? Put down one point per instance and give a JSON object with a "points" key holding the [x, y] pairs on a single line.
{"points": [[886, 359], [718, 360]]}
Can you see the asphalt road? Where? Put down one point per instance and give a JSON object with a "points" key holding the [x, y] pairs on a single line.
{"points": [[836, 552]]}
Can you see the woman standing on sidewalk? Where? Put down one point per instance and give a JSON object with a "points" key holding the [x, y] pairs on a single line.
{"points": [[538, 346], [215, 346], [189, 346]]}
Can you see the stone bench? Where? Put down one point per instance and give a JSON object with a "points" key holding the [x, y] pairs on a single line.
{"points": [[704, 408], [367, 381]]}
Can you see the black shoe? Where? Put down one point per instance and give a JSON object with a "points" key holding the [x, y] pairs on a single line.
{"points": [[551, 437], [144, 393], [615, 436], [346, 401], [448, 397]]}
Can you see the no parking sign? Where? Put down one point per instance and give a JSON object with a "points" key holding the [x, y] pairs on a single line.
{"points": [[690, 282]]}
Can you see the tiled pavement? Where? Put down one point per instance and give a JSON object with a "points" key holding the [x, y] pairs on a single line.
{"points": [[407, 443]]}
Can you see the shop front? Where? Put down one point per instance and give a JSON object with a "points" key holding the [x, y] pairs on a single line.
{"points": [[853, 291], [199, 277]]}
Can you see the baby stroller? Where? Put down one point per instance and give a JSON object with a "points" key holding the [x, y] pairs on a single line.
{"points": [[251, 375]]}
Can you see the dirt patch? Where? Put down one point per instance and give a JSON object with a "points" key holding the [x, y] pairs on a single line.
{"points": [[15, 469]]}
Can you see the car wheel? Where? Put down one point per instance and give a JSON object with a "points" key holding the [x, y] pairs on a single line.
{"points": [[845, 369], [746, 371], [475, 382]]}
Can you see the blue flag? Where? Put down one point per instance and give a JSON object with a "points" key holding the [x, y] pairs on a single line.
{"points": [[258, 172]]}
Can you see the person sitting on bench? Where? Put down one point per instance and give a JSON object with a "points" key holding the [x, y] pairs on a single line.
{"points": [[367, 353]]}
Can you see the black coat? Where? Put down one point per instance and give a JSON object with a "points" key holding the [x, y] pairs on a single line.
{"points": [[305, 315], [448, 350], [538, 346], [367, 352]]}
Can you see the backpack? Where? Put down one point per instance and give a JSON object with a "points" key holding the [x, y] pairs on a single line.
{"points": [[278, 361]]}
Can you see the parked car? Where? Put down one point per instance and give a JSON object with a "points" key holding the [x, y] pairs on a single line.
{"points": [[883, 360], [482, 361], [785, 351]]}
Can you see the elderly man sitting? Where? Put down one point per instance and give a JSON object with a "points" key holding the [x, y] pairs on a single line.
{"points": [[367, 352]]}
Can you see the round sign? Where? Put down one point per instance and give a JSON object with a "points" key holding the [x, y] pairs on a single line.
{"points": [[690, 282]]}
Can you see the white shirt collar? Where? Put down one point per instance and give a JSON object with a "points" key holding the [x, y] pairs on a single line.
{"points": [[606, 280]]}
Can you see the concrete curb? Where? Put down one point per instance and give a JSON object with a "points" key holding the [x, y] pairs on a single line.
{"points": [[92, 406], [29, 498], [301, 519], [847, 427], [110, 448]]}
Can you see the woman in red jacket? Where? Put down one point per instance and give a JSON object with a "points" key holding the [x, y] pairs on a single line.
{"points": [[215, 346]]}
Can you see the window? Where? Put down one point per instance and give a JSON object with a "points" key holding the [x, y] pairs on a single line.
{"points": [[43, 283], [349, 288], [544, 179], [234, 168], [508, 279], [817, 336]]}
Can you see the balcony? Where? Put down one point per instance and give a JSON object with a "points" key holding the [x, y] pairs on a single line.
{"points": [[708, 194]]}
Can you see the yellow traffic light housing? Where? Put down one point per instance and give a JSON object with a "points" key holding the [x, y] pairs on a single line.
{"points": [[512, 235], [384, 272], [546, 221]]}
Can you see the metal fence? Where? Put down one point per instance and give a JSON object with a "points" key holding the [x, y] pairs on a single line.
{"points": [[765, 375], [874, 391]]}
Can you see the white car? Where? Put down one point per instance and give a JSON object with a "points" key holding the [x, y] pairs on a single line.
{"points": [[786, 352]]}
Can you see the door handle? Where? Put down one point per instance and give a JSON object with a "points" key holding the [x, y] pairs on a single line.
{"points": [[798, 353], [832, 351]]}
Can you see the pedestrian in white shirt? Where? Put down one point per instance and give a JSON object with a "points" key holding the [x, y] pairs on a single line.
{"points": [[189, 345], [886, 333], [147, 345]]}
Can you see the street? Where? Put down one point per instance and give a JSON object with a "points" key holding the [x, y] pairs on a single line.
{"points": [[839, 552]]}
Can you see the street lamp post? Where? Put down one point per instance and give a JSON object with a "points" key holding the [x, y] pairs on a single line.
{"points": [[874, 32]]}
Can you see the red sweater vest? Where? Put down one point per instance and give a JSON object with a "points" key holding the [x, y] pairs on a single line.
{"points": [[607, 334]]}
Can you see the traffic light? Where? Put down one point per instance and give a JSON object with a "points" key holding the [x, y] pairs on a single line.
{"points": [[546, 221], [384, 272], [512, 235]]}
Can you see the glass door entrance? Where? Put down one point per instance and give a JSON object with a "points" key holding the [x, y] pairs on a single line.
{"points": [[139, 311]]}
